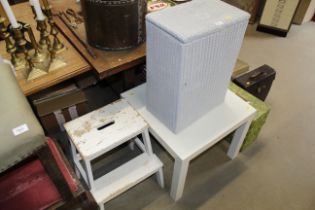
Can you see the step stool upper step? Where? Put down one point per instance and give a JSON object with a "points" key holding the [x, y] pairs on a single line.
{"points": [[104, 129]]}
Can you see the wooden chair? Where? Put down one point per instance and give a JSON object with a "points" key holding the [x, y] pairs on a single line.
{"points": [[29, 159]]}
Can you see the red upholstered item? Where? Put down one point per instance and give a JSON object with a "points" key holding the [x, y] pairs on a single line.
{"points": [[29, 187]]}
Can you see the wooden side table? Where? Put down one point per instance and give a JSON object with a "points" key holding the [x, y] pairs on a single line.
{"points": [[99, 132], [107, 62], [233, 114], [76, 64]]}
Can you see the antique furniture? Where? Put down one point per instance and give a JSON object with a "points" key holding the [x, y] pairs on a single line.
{"points": [[21, 138], [233, 114], [190, 59], [99, 133]]}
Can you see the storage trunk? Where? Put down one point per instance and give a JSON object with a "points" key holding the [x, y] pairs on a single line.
{"points": [[191, 51], [257, 82]]}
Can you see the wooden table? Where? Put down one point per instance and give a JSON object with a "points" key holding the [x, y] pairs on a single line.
{"points": [[110, 63], [107, 63], [76, 64], [233, 114]]}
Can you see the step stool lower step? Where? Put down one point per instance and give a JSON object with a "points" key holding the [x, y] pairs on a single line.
{"points": [[124, 177]]}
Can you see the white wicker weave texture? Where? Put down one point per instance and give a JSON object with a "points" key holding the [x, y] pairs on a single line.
{"points": [[191, 51]]}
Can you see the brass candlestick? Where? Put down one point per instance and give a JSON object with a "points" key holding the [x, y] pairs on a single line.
{"points": [[17, 62], [41, 58], [3, 27], [11, 49], [46, 4], [57, 45], [20, 42], [33, 11], [44, 42]]}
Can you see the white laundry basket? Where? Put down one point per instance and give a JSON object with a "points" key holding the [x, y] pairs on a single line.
{"points": [[191, 51]]}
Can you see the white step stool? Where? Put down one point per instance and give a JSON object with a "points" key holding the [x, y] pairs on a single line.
{"points": [[102, 130]]}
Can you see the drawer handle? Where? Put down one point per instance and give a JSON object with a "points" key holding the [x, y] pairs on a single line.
{"points": [[258, 74], [106, 125]]}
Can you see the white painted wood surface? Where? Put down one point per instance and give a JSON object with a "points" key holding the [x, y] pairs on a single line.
{"points": [[125, 177], [191, 51], [103, 130], [233, 114], [205, 132], [91, 142]]}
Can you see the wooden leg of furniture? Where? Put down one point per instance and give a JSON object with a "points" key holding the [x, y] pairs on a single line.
{"points": [[129, 78], [54, 172], [238, 139], [179, 177]]}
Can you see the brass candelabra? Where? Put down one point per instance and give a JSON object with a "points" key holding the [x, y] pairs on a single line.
{"points": [[57, 46], [10, 45], [44, 41], [41, 57], [24, 56]]}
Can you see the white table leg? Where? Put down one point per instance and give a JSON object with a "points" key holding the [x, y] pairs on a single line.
{"points": [[238, 139], [179, 177]]}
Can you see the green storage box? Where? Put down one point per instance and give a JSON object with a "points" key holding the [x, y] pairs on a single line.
{"points": [[259, 120]]}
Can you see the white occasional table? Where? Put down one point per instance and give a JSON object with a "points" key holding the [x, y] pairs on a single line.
{"points": [[233, 114]]}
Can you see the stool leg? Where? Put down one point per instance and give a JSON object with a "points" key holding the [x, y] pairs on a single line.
{"points": [[74, 158], [132, 145], [147, 141], [89, 173], [102, 206], [160, 177]]}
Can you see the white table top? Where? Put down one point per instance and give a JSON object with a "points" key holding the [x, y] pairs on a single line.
{"points": [[91, 138], [203, 133]]}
